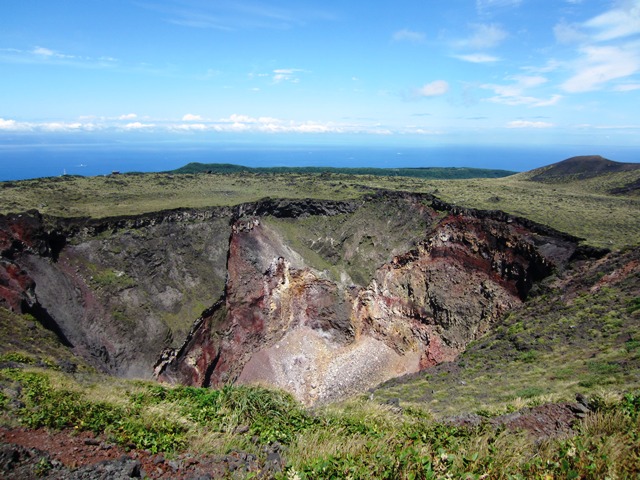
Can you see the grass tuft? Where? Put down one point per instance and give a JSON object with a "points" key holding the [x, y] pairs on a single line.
{"points": [[357, 439]]}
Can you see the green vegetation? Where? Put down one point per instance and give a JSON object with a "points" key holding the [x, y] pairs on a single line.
{"points": [[590, 167], [112, 279], [17, 357], [100, 197], [26, 341], [354, 244], [580, 207], [602, 219], [590, 345], [448, 173], [357, 439], [67, 407]]}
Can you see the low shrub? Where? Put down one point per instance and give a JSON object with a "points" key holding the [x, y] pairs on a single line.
{"points": [[357, 439], [17, 357], [46, 406]]}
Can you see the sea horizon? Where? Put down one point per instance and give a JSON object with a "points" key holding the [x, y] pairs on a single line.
{"points": [[22, 161]]}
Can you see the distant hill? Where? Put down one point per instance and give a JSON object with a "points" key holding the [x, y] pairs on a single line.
{"points": [[430, 172], [579, 168], [591, 173]]}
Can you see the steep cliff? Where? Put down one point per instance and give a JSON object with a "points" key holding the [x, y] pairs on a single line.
{"points": [[321, 298], [117, 291], [120, 290], [430, 278]]}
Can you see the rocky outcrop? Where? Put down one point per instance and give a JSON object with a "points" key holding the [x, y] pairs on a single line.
{"points": [[118, 290], [20, 234], [321, 298], [322, 337]]}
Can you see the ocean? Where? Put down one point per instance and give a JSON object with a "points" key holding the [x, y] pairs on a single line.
{"points": [[19, 162]]}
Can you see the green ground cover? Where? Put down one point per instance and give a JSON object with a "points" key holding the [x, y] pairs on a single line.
{"points": [[582, 208], [429, 172], [357, 439]]}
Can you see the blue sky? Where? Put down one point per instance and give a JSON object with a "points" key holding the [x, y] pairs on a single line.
{"points": [[419, 72]]}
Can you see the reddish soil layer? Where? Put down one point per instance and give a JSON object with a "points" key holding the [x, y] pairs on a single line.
{"points": [[68, 454]]}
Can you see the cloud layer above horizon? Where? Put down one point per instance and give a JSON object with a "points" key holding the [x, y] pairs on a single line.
{"points": [[474, 71]]}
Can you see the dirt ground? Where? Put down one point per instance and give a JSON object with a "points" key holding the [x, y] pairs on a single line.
{"points": [[66, 455]]}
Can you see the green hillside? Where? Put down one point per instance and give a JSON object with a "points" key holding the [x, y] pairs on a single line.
{"points": [[430, 172], [603, 209], [579, 168]]}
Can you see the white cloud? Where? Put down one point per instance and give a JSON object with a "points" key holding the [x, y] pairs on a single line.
{"points": [[195, 20], [286, 75], [51, 127], [514, 93], [10, 125], [235, 123], [194, 127], [190, 117], [43, 51], [627, 87], [258, 75], [566, 33], [613, 24], [239, 15], [523, 100], [48, 53], [407, 35], [138, 126], [236, 118], [63, 126], [484, 36], [552, 100], [268, 120], [433, 89], [617, 23], [421, 131], [528, 124], [618, 127], [603, 56], [528, 81], [47, 56], [311, 127], [550, 66], [600, 65], [477, 58], [246, 123], [128, 116]]}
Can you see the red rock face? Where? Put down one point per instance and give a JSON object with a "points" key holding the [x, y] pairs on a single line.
{"points": [[199, 355], [291, 326], [18, 233], [451, 288], [16, 287]]}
